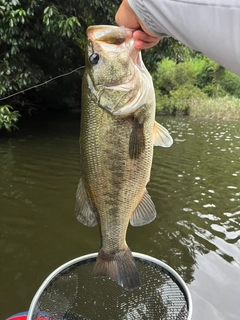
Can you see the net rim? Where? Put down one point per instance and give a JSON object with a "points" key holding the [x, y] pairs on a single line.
{"points": [[94, 255]]}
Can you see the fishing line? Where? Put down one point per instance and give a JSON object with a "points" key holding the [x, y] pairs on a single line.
{"points": [[41, 84]]}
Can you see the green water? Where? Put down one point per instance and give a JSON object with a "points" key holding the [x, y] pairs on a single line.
{"points": [[195, 186]]}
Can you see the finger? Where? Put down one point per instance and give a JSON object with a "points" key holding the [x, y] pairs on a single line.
{"points": [[144, 41], [141, 35], [141, 45]]}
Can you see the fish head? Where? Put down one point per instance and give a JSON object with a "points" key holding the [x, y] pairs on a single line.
{"points": [[115, 72]]}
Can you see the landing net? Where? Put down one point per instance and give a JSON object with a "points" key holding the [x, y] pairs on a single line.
{"points": [[71, 293]]}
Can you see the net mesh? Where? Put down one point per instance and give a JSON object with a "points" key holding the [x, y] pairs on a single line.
{"points": [[75, 295]]}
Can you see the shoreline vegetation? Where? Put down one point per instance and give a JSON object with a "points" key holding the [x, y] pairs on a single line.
{"points": [[197, 88], [225, 108], [41, 40], [222, 108]]}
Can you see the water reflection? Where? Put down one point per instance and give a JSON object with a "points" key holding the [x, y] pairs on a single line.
{"points": [[197, 196], [194, 185]]}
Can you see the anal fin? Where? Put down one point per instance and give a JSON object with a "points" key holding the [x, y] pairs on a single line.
{"points": [[144, 213], [83, 210]]}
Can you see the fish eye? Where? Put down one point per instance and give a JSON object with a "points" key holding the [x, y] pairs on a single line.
{"points": [[94, 58]]}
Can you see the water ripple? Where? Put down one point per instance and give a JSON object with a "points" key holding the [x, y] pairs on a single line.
{"points": [[194, 186], [199, 176]]}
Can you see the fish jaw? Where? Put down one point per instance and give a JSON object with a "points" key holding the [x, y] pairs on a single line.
{"points": [[109, 39], [116, 79], [107, 33]]}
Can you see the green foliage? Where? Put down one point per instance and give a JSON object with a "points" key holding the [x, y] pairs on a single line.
{"points": [[209, 77], [166, 48], [179, 86], [178, 101], [8, 118], [230, 83], [40, 39], [58, 23], [206, 72], [181, 98], [175, 87], [170, 75]]}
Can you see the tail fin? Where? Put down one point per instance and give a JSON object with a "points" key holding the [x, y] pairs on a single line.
{"points": [[120, 267]]}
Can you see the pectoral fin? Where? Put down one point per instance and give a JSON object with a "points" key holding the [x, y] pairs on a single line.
{"points": [[144, 213], [161, 136], [83, 210], [137, 139]]}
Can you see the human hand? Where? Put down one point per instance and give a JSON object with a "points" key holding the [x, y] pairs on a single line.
{"points": [[126, 17]]}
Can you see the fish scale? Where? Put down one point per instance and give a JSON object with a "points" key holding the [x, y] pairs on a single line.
{"points": [[118, 132]]}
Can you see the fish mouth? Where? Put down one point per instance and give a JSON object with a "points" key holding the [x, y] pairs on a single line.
{"points": [[113, 39], [109, 34]]}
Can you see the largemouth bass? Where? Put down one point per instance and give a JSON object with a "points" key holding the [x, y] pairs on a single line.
{"points": [[118, 132]]}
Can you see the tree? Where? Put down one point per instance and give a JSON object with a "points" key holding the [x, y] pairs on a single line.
{"points": [[41, 39]]}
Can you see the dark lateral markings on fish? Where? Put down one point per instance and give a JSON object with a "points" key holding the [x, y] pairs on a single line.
{"points": [[118, 133]]}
